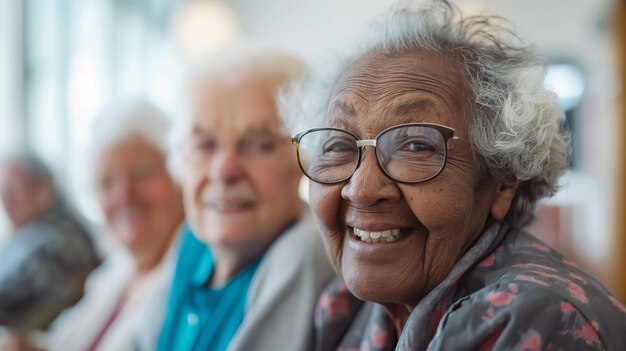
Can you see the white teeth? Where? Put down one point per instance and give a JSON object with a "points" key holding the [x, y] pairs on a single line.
{"points": [[377, 237]]}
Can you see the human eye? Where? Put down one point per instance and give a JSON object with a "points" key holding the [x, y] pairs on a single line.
{"points": [[258, 145], [142, 172], [417, 145], [200, 147], [105, 183], [338, 145], [204, 145]]}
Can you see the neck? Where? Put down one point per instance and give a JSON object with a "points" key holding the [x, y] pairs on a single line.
{"points": [[146, 264], [230, 262], [149, 258], [399, 314]]}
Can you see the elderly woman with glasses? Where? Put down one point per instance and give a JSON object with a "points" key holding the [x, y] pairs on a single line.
{"points": [[428, 154]]}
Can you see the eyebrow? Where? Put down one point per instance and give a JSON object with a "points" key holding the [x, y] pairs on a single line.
{"points": [[343, 108], [410, 106], [197, 130], [259, 130]]}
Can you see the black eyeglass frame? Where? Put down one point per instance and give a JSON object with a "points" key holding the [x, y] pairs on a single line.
{"points": [[446, 132]]}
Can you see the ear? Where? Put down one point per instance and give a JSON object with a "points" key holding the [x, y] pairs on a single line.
{"points": [[502, 199]]}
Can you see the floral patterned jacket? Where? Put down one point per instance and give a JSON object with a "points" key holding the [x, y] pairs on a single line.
{"points": [[508, 292]]}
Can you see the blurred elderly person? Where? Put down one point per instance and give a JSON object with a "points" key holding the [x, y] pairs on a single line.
{"points": [[430, 152], [250, 277], [44, 264], [125, 298]]}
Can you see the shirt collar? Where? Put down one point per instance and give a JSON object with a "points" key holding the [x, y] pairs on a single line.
{"points": [[204, 269]]}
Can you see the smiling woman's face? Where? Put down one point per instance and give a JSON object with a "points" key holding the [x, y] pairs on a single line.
{"points": [[438, 219]]}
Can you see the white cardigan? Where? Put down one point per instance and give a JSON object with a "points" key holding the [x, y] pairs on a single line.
{"points": [[283, 293], [137, 324]]}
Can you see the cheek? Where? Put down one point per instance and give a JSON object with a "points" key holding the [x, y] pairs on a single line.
{"points": [[159, 192], [325, 201], [440, 205], [107, 206], [192, 186], [192, 182]]}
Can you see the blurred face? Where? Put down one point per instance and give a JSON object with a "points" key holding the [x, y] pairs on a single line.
{"points": [[141, 204], [239, 177], [23, 197], [433, 222]]}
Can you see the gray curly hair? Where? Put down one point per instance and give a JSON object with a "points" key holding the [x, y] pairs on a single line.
{"points": [[516, 127]]}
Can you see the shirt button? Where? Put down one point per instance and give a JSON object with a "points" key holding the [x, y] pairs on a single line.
{"points": [[192, 318]]}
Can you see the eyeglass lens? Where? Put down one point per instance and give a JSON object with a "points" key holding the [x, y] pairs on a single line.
{"points": [[406, 154]]}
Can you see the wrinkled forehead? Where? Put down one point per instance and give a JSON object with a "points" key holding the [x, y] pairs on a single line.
{"points": [[393, 84], [235, 105], [125, 154]]}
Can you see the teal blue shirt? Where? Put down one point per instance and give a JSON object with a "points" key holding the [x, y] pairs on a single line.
{"points": [[199, 317]]}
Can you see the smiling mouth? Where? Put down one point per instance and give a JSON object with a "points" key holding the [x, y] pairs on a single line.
{"points": [[385, 236]]}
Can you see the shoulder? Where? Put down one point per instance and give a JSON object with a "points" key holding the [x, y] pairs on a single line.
{"points": [[534, 296], [301, 245], [517, 316], [283, 293], [296, 262], [36, 244], [115, 270], [61, 232], [536, 268]]}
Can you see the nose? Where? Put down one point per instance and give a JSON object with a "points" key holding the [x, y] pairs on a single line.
{"points": [[369, 186], [120, 190], [226, 166]]}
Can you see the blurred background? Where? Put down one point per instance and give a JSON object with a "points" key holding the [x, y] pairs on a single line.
{"points": [[62, 61]]}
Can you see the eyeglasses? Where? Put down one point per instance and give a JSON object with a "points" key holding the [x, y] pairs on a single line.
{"points": [[406, 153]]}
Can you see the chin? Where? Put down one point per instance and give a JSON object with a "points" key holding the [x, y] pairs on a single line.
{"points": [[378, 289], [365, 290], [225, 238], [131, 239]]}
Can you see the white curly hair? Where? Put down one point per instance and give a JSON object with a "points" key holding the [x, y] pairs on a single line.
{"points": [[516, 127]]}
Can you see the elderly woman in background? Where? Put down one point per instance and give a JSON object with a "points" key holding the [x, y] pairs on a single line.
{"points": [[249, 275], [142, 206], [44, 265], [432, 148]]}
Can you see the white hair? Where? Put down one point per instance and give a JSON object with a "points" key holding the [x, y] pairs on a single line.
{"points": [[129, 120], [516, 126], [34, 169], [237, 62], [33, 166]]}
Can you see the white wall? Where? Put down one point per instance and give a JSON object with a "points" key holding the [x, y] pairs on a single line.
{"points": [[11, 96], [312, 28]]}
